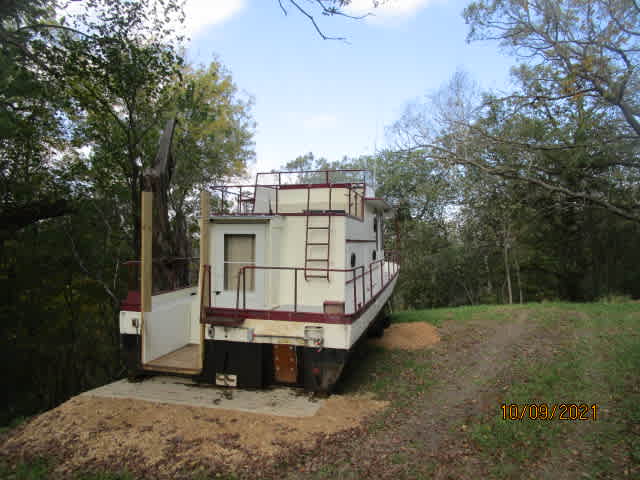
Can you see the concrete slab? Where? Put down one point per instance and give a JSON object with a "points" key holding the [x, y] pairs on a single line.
{"points": [[283, 402]]}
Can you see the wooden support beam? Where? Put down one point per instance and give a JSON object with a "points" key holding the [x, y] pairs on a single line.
{"points": [[205, 208], [204, 287], [146, 251]]}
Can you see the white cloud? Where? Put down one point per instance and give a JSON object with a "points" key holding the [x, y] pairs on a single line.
{"points": [[320, 121], [388, 8], [200, 14]]}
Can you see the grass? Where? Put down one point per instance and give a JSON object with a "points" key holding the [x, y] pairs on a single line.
{"points": [[437, 316], [13, 424], [395, 375], [41, 470], [512, 443], [600, 364]]}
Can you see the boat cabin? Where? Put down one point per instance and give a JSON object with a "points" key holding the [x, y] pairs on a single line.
{"points": [[292, 273]]}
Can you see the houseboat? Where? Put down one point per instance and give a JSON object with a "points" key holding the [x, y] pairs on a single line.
{"points": [[292, 273]]}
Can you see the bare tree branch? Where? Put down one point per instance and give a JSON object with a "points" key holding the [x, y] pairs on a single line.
{"points": [[81, 264], [313, 22], [447, 156]]}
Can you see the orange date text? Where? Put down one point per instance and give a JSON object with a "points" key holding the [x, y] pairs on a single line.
{"points": [[544, 411]]}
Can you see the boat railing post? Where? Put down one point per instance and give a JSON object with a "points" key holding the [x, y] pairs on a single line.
{"points": [[371, 278], [355, 291], [364, 297]]}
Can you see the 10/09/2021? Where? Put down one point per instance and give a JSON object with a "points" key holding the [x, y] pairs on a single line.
{"points": [[543, 411]]}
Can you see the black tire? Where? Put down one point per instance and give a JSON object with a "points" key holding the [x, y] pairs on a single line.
{"points": [[376, 330], [386, 315]]}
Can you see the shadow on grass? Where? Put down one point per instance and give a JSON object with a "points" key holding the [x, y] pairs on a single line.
{"points": [[393, 375]]}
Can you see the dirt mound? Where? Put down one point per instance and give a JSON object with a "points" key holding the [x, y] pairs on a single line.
{"points": [[164, 441], [408, 336]]}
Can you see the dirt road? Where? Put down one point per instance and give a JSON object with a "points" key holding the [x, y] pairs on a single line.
{"points": [[470, 366]]}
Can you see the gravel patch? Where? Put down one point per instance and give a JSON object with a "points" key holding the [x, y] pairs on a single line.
{"points": [[167, 441], [408, 336]]}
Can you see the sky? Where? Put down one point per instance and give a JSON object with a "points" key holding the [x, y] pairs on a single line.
{"points": [[335, 98]]}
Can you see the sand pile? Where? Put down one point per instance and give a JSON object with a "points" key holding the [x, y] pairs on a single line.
{"points": [[167, 441], [408, 336]]}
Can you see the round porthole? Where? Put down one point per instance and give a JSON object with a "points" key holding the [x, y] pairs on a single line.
{"points": [[353, 260], [373, 255]]}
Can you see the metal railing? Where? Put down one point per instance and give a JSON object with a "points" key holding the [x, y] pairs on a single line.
{"points": [[388, 267], [263, 197], [239, 200], [325, 176]]}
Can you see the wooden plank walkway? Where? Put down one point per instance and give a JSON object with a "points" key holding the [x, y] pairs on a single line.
{"points": [[183, 359]]}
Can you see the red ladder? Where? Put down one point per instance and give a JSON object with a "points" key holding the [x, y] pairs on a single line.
{"points": [[322, 261]]}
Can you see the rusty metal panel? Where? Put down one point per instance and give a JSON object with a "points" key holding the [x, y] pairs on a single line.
{"points": [[285, 363]]}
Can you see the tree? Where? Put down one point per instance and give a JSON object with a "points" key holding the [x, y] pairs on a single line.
{"points": [[121, 73], [30, 128], [581, 58], [586, 48], [60, 76], [213, 141], [564, 150]]}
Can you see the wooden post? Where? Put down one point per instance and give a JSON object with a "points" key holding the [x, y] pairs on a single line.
{"points": [[146, 251], [205, 208], [204, 283]]}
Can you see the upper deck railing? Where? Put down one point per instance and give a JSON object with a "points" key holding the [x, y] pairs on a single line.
{"points": [[314, 177], [343, 194]]}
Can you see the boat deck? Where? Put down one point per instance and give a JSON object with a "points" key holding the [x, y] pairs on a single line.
{"points": [[185, 359]]}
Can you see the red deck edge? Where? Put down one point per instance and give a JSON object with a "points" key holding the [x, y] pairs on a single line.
{"points": [[308, 317]]}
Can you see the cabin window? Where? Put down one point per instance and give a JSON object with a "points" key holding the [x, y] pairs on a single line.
{"points": [[373, 255], [375, 228], [353, 260], [239, 251]]}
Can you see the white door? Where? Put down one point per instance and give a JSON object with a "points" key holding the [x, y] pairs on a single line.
{"points": [[236, 246]]}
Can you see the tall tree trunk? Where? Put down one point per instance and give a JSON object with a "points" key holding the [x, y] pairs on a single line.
{"points": [[517, 264], [489, 284], [157, 179], [507, 270]]}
